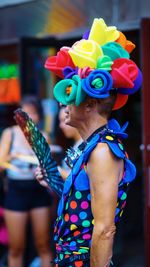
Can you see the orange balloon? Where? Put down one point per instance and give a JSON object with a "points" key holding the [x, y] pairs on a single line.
{"points": [[122, 40], [126, 44], [130, 46]]}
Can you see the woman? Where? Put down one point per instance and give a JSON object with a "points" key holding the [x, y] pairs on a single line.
{"points": [[98, 77], [25, 198]]}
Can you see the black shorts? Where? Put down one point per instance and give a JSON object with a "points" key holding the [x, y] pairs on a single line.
{"points": [[25, 195]]}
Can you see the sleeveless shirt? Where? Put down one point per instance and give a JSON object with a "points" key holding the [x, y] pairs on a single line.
{"points": [[74, 225], [25, 170]]}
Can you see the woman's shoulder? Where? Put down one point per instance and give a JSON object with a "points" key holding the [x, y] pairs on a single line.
{"points": [[6, 136], [101, 148], [7, 131], [101, 153]]}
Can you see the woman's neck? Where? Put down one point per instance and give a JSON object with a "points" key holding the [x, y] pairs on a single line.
{"points": [[77, 137], [87, 128]]}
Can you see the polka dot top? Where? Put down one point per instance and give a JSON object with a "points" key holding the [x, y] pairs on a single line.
{"points": [[74, 225]]}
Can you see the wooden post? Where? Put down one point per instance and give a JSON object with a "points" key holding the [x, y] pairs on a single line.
{"points": [[145, 45]]}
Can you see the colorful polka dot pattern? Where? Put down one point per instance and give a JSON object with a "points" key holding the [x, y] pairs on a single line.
{"points": [[77, 264], [73, 229], [75, 225], [122, 196]]}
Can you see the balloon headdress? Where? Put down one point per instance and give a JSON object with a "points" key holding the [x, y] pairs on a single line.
{"points": [[96, 65]]}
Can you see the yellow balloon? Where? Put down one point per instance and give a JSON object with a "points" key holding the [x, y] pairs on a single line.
{"points": [[101, 33], [85, 53]]}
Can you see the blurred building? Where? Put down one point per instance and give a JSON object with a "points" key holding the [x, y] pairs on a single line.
{"points": [[30, 30], [44, 17]]}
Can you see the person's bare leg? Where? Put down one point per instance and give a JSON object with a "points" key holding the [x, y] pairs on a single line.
{"points": [[16, 224], [40, 218]]}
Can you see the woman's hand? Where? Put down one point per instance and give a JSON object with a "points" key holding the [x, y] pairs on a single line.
{"points": [[39, 175]]}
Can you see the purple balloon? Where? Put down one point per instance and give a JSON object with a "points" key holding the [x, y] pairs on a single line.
{"points": [[86, 35], [69, 72]]}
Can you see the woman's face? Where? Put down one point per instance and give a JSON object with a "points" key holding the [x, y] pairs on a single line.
{"points": [[68, 131], [32, 112], [74, 115]]}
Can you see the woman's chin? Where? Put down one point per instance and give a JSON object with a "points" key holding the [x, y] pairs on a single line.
{"points": [[68, 122]]}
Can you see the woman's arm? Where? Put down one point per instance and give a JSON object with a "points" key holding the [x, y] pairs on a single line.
{"points": [[5, 142], [104, 171]]}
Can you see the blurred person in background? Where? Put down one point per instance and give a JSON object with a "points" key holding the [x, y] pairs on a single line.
{"points": [[25, 198], [3, 229]]}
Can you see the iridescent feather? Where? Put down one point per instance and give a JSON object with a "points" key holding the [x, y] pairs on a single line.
{"points": [[42, 150]]}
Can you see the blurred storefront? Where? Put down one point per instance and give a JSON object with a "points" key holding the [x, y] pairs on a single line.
{"points": [[31, 31]]}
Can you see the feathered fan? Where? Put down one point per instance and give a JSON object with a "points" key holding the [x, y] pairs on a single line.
{"points": [[42, 150]]}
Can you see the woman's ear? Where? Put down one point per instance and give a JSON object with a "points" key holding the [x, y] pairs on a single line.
{"points": [[90, 104]]}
